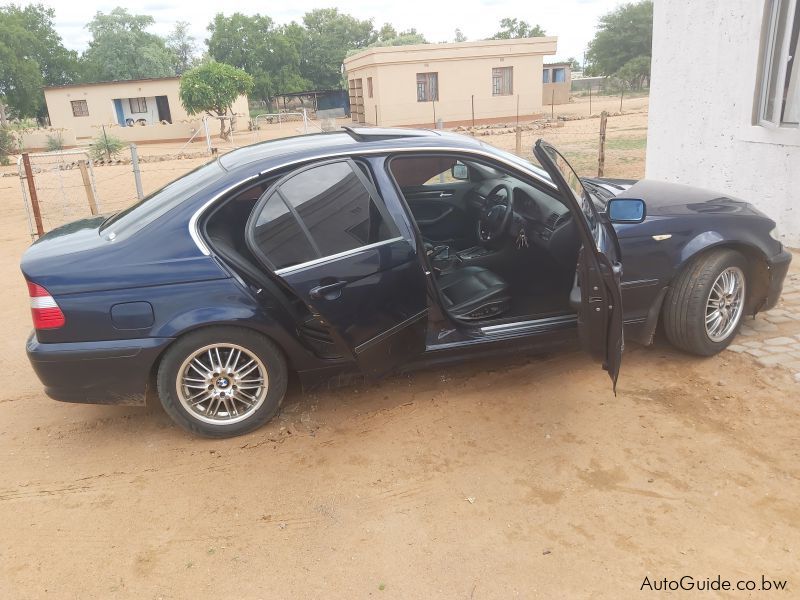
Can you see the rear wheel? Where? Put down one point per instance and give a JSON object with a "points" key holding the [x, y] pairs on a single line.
{"points": [[222, 381], [705, 304]]}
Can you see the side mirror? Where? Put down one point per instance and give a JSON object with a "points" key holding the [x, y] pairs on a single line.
{"points": [[459, 171], [625, 210]]}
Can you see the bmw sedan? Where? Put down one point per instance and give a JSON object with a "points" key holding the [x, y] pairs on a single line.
{"points": [[366, 251]]}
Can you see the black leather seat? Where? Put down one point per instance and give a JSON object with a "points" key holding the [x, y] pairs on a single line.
{"points": [[473, 293]]}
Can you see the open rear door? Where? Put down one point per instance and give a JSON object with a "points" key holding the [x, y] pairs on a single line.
{"points": [[324, 231], [596, 295]]}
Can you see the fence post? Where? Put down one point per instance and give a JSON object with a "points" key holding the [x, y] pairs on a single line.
{"points": [[208, 135], [519, 141], [473, 110], [552, 105], [601, 157], [305, 121], [137, 174], [621, 96], [37, 214], [87, 185], [376, 115], [590, 98]]}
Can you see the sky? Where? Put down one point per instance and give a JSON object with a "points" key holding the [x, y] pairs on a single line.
{"points": [[573, 21]]}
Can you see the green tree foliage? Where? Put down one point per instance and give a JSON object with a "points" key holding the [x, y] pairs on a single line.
{"points": [[329, 35], [212, 88], [121, 48], [574, 64], [624, 39], [7, 145], [512, 28], [459, 36], [270, 54], [182, 46], [31, 56]]}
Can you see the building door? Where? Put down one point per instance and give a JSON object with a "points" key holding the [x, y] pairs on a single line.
{"points": [[162, 104], [120, 112], [356, 89]]}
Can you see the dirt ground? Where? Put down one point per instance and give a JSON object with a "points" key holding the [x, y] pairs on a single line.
{"points": [[506, 478]]}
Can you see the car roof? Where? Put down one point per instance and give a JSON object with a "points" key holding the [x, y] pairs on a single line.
{"points": [[351, 139]]}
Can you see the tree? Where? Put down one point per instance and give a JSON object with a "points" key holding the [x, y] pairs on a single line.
{"points": [[121, 48], [329, 36], [623, 35], [182, 46], [271, 55], [512, 28], [460, 37], [31, 56], [212, 88], [574, 64]]}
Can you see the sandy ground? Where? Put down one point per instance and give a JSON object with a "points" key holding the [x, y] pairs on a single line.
{"points": [[521, 477]]}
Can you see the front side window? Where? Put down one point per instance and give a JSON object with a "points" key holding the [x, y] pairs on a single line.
{"points": [[779, 87], [138, 105], [80, 108], [546, 76], [320, 212], [559, 75], [427, 87], [502, 84]]}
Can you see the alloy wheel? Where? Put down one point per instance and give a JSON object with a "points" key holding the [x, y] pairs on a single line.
{"points": [[222, 383], [725, 304]]}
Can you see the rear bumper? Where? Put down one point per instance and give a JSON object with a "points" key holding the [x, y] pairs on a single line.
{"points": [[778, 268], [106, 372]]}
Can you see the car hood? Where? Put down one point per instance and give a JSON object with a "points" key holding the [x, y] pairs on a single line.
{"points": [[673, 199]]}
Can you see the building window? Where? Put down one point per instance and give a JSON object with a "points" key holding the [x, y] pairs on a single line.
{"points": [[138, 105], [427, 87], [502, 81], [369, 87], [779, 88], [80, 108], [546, 76], [559, 75]]}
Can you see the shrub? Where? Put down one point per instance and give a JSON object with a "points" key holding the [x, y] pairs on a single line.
{"points": [[55, 142], [6, 145], [105, 147]]}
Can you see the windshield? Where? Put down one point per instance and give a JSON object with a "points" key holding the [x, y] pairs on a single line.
{"points": [[143, 213]]}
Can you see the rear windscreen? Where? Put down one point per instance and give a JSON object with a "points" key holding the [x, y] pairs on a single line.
{"points": [[143, 213]]}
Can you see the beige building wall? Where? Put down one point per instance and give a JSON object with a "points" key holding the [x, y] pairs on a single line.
{"points": [[100, 98], [464, 79]]}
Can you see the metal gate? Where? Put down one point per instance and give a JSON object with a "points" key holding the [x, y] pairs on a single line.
{"points": [[57, 187]]}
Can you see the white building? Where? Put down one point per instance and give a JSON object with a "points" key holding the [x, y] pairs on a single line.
{"points": [[725, 102]]}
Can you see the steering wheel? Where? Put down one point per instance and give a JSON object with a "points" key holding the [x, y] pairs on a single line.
{"points": [[494, 219]]}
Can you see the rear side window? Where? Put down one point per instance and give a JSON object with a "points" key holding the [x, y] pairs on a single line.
{"points": [[319, 212]]}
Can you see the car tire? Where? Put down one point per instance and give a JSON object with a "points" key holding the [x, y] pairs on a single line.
{"points": [[695, 319], [208, 381]]}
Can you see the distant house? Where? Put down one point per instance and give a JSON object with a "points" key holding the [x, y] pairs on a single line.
{"points": [[556, 83], [132, 108], [420, 84], [732, 123]]}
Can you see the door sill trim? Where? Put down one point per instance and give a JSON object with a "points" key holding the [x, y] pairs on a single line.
{"points": [[522, 326]]}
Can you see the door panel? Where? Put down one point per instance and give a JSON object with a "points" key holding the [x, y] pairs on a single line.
{"points": [[443, 214], [596, 295], [324, 231]]}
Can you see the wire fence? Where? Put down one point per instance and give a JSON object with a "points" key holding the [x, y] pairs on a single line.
{"points": [[67, 191]]}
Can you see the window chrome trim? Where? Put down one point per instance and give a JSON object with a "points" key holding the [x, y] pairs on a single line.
{"points": [[194, 233], [332, 257]]}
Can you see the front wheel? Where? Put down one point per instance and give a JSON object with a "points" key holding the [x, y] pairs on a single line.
{"points": [[222, 381], [705, 304]]}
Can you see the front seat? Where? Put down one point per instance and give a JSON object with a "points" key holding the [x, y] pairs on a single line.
{"points": [[473, 293]]}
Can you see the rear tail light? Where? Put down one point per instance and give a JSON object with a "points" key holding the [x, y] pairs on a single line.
{"points": [[45, 311]]}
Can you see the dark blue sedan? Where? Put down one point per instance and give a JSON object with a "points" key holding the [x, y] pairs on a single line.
{"points": [[370, 250]]}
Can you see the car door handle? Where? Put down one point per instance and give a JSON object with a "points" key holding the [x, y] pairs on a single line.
{"points": [[330, 291]]}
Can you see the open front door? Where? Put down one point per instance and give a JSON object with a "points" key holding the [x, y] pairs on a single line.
{"points": [[325, 232], [596, 295]]}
